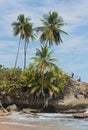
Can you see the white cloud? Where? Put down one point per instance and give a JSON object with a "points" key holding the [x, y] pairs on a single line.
{"points": [[72, 44]]}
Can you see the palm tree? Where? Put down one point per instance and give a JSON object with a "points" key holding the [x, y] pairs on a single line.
{"points": [[29, 33], [23, 28], [44, 62], [53, 83], [51, 29]]}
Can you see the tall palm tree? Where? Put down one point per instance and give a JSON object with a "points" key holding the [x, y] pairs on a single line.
{"points": [[23, 28], [43, 61], [29, 33], [51, 29]]}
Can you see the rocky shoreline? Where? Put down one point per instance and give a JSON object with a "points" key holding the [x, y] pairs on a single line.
{"points": [[73, 101], [82, 113]]}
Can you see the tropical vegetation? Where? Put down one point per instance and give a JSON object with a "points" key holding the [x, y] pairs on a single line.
{"points": [[43, 80], [44, 62]]}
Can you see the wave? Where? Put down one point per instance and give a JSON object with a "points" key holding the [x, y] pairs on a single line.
{"points": [[17, 124], [51, 119]]}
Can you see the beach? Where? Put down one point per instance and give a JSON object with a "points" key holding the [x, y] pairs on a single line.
{"points": [[19, 127], [43, 121], [7, 123]]}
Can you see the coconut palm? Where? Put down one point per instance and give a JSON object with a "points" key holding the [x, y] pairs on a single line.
{"points": [[44, 62], [23, 28], [29, 33], [51, 29], [53, 83]]}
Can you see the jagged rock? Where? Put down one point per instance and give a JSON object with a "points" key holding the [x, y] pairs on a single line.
{"points": [[12, 108]]}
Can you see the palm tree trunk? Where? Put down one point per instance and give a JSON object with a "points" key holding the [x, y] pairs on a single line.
{"points": [[43, 94], [25, 51], [4, 110], [47, 102], [17, 52]]}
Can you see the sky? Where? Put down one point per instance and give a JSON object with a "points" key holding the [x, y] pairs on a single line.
{"points": [[72, 53]]}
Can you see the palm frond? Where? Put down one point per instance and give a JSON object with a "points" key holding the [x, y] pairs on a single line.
{"points": [[63, 32], [50, 31]]}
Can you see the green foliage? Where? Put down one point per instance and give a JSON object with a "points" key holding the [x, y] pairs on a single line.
{"points": [[4, 84], [51, 29], [31, 77], [10, 79], [54, 80], [13, 81], [43, 59]]}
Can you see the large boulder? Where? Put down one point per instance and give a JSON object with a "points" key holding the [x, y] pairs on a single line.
{"points": [[12, 108]]}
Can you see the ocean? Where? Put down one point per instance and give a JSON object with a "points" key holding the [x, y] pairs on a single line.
{"points": [[54, 120]]}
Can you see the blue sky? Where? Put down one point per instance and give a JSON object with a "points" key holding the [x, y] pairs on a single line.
{"points": [[72, 53]]}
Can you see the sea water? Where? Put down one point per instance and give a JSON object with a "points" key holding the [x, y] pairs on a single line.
{"points": [[47, 119]]}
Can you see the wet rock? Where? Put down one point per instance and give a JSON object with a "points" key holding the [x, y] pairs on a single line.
{"points": [[30, 111], [2, 113], [80, 115]]}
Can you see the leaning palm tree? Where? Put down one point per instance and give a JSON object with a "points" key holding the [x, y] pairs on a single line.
{"points": [[44, 62], [23, 28], [51, 29]]}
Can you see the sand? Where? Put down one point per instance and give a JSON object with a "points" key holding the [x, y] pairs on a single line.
{"points": [[31, 127], [7, 123]]}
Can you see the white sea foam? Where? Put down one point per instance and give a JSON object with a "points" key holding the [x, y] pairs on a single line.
{"points": [[18, 124], [49, 119], [86, 111]]}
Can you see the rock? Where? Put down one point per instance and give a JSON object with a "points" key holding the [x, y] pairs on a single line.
{"points": [[80, 115], [30, 111], [27, 111], [4, 113], [74, 111], [12, 108]]}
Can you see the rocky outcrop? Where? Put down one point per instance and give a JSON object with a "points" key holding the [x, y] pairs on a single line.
{"points": [[73, 99], [77, 88], [80, 115], [12, 108]]}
